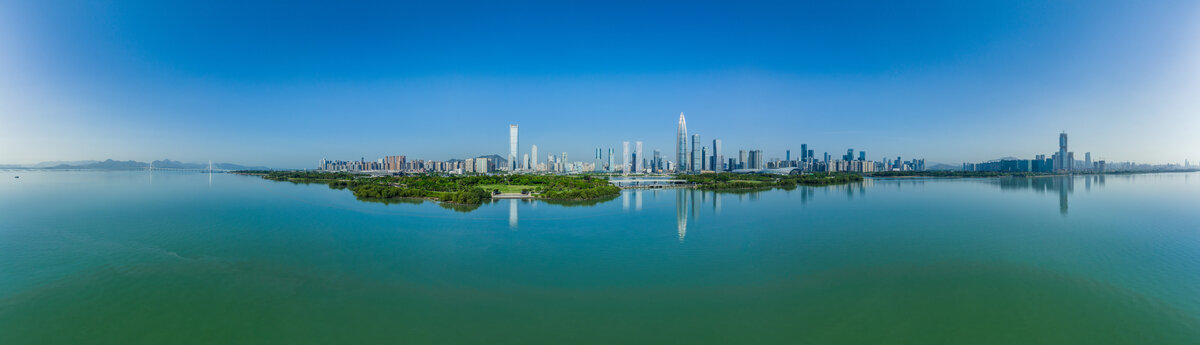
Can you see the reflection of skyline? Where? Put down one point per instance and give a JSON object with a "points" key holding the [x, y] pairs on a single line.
{"points": [[512, 213], [1064, 186], [681, 206]]}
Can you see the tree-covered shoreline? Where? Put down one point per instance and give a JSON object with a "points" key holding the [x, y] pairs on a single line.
{"points": [[457, 189], [732, 181]]}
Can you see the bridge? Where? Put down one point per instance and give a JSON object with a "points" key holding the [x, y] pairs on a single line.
{"points": [[208, 169]]}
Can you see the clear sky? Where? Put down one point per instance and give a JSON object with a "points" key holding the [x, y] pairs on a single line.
{"points": [[285, 84]]}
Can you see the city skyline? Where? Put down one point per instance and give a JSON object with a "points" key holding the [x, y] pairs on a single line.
{"points": [[953, 83]]}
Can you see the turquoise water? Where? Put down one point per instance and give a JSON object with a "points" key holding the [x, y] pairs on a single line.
{"points": [[188, 258]]}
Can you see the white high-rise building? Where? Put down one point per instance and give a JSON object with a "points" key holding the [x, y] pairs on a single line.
{"points": [[639, 160], [681, 146], [512, 148], [533, 157], [625, 157]]}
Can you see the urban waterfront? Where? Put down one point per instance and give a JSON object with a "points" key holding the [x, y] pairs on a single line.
{"points": [[128, 257]]}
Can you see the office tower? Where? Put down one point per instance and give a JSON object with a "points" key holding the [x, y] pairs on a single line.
{"points": [[849, 155], [681, 146], [1062, 162], [718, 158], [696, 153], [624, 157], [812, 155], [1087, 160], [525, 162], [657, 165], [804, 155], [512, 147], [827, 158], [638, 158], [787, 155], [741, 159], [862, 155], [533, 156], [610, 160], [564, 161], [755, 160], [704, 158]]}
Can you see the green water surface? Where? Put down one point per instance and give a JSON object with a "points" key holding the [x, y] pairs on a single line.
{"points": [[186, 258]]}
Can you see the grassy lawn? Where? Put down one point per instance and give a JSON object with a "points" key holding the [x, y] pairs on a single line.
{"points": [[506, 188]]}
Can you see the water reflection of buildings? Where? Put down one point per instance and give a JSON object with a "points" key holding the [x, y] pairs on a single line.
{"points": [[1064, 186], [681, 208], [512, 212]]}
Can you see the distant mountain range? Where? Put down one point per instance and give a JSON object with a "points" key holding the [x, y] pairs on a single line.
{"points": [[110, 164], [940, 166]]}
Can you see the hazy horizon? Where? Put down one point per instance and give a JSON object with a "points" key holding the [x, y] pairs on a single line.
{"points": [[283, 86]]}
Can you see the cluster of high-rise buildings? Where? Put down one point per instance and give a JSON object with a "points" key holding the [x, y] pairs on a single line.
{"points": [[691, 156], [401, 165], [1062, 161], [699, 157]]}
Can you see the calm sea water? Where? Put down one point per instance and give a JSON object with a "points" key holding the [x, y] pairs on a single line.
{"points": [[189, 258]]}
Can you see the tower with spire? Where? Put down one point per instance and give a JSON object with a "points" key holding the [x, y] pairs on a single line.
{"points": [[682, 163]]}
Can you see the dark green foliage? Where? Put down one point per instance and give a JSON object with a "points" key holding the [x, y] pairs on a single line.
{"points": [[725, 181], [452, 188]]}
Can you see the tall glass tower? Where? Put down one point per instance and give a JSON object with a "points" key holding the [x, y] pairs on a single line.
{"points": [[718, 158], [696, 155], [639, 161], [682, 163], [625, 160], [533, 158], [512, 148], [1063, 162]]}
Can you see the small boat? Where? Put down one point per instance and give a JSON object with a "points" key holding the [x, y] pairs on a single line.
{"points": [[16, 177]]}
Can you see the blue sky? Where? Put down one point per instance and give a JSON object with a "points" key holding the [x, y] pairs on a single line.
{"points": [[285, 85]]}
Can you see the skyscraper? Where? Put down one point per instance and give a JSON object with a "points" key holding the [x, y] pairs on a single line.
{"points": [[638, 159], [625, 157], [512, 148], [596, 157], [741, 159], [533, 157], [610, 160], [704, 158], [696, 153], [1087, 160], [718, 158], [787, 155], [755, 160], [681, 146], [1062, 162], [656, 163], [803, 152]]}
